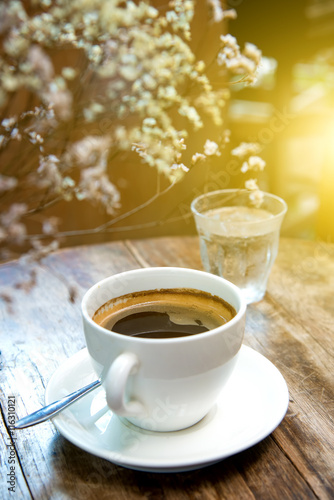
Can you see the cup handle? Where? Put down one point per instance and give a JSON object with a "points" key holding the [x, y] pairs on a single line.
{"points": [[115, 382]]}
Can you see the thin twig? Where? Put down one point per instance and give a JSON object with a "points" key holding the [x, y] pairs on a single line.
{"points": [[103, 228]]}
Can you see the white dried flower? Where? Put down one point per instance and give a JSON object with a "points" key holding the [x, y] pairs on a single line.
{"points": [[8, 123], [218, 13], [95, 186], [244, 167], [150, 122], [40, 63], [130, 73], [252, 52], [192, 114], [15, 134], [246, 149], [41, 250], [69, 73], [230, 14], [253, 163], [149, 82], [35, 138], [95, 54], [7, 183], [256, 198], [229, 41], [181, 144], [177, 171], [88, 151], [60, 101], [13, 214], [181, 166], [251, 185], [48, 172], [50, 225], [238, 63], [226, 137], [200, 66], [196, 157], [217, 10], [211, 148], [17, 232]]}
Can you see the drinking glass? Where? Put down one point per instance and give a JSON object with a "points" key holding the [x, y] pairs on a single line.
{"points": [[239, 240]]}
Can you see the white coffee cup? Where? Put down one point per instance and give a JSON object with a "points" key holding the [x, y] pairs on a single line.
{"points": [[163, 384]]}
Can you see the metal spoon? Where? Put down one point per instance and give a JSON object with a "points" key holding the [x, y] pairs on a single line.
{"points": [[52, 409]]}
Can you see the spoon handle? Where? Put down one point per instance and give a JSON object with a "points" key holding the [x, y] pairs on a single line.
{"points": [[52, 409]]}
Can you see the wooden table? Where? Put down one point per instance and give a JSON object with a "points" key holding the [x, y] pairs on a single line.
{"points": [[292, 326]]}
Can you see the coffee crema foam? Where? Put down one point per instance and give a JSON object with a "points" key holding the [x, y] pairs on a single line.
{"points": [[164, 313]]}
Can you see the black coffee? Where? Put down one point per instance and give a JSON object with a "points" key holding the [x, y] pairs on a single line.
{"points": [[156, 325], [166, 313]]}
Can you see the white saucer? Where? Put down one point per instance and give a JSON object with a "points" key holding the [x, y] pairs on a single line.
{"points": [[250, 407]]}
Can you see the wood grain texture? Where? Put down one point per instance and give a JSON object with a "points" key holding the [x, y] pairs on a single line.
{"points": [[292, 326]]}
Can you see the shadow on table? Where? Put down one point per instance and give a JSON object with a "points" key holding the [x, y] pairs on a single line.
{"points": [[82, 474]]}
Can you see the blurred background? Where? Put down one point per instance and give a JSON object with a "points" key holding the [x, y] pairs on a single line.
{"points": [[291, 109], [289, 112]]}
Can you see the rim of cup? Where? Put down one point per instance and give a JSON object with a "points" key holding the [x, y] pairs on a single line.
{"points": [[152, 270], [212, 194]]}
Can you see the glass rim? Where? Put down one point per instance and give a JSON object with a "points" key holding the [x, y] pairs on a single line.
{"points": [[241, 191]]}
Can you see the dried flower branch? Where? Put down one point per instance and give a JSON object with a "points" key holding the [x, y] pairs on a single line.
{"points": [[131, 68]]}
